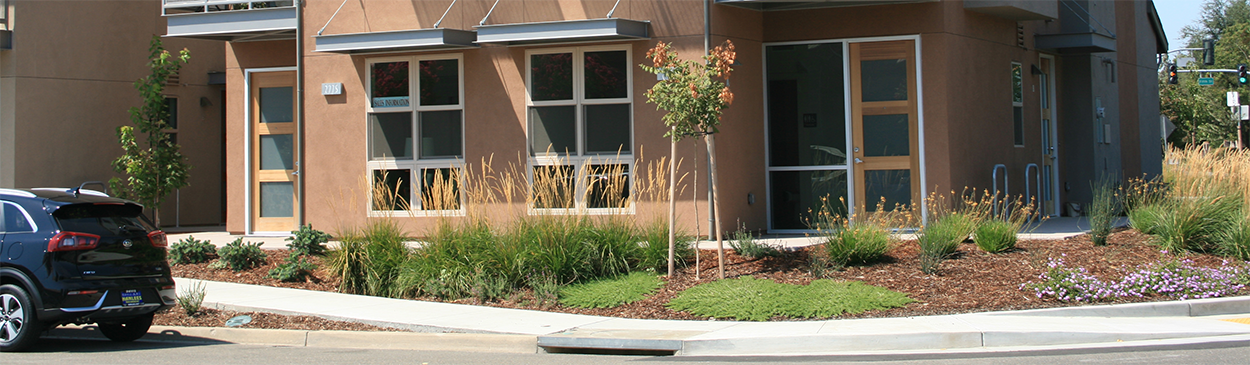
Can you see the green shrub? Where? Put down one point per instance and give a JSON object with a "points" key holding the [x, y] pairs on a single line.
{"points": [[1145, 218], [348, 262], [654, 254], [308, 241], [1235, 240], [1195, 223], [752, 299], [857, 243], [611, 292], [1103, 210], [941, 237], [191, 251], [191, 298], [240, 256], [745, 245], [995, 236], [296, 268]]}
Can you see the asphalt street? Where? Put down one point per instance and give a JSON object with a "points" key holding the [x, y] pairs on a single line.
{"points": [[65, 351]]}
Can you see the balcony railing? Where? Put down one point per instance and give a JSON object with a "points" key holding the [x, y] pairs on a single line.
{"points": [[230, 20]]}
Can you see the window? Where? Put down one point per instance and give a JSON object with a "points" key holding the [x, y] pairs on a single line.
{"points": [[1017, 104], [580, 127], [416, 132], [13, 219]]}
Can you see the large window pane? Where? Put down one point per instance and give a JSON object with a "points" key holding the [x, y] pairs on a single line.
{"points": [[391, 189], [797, 196], [806, 105], [607, 128], [277, 199], [440, 134], [889, 188], [276, 105], [553, 186], [607, 186], [389, 82], [171, 106], [884, 80], [440, 189], [886, 135], [440, 82], [276, 152], [553, 129], [551, 77], [606, 75], [390, 135]]}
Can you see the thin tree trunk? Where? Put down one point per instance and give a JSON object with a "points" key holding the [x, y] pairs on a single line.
{"points": [[156, 216], [672, 201], [720, 242]]}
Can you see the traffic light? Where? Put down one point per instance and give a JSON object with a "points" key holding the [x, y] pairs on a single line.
{"points": [[1172, 74], [1208, 52], [1242, 76]]}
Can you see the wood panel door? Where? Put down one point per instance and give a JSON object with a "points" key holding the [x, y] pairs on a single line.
{"points": [[884, 124], [274, 162]]}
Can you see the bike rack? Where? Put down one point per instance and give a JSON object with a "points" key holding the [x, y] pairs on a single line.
{"points": [[1006, 185], [1028, 188]]}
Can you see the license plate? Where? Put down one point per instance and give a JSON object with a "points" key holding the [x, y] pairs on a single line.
{"points": [[132, 297]]}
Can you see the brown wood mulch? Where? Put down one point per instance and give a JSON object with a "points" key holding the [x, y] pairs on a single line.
{"points": [[971, 281]]}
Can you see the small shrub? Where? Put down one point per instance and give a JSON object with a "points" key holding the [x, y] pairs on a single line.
{"points": [[308, 241], [745, 244], [191, 251], [296, 268], [1103, 210], [240, 256], [940, 238], [487, 287], [1235, 241], [751, 299], [191, 298], [861, 239], [611, 292], [858, 243], [654, 254], [995, 236], [546, 291], [1195, 223], [349, 262], [1145, 218]]}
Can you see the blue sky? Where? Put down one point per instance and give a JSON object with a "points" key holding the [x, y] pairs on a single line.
{"points": [[1176, 14]]}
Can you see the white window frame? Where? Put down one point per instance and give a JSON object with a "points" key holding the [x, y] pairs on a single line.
{"points": [[581, 160], [416, 164], [1016, 103]]}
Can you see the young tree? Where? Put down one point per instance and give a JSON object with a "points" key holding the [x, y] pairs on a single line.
{"points": [[693, 94], [157, 168]]}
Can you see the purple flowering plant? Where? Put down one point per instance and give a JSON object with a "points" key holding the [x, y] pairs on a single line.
{"points": [[1173, 278]]}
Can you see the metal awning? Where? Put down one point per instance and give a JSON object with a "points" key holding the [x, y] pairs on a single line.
{"points": [[1076, 43], [589, 30], [234, 26], [807, 4], [397, 41]]}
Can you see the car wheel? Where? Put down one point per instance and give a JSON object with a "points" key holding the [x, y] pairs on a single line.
{"points": [[18, 326], [129, 330]]}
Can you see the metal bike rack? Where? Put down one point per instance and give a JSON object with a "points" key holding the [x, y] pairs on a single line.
{"points": [[1006, 186], [1029, 197]]}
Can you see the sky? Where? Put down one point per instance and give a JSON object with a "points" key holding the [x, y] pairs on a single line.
{"points": [[1176, 14]]}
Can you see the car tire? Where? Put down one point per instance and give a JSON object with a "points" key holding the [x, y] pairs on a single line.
{"points": [[18, 326], [129, 330]]}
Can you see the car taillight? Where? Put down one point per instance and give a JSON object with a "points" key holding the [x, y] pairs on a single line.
{"points": [[158, 239], [72, 241]]}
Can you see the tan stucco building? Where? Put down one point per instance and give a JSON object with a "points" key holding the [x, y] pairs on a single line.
{"points": [[853, 99], [67, 70]]}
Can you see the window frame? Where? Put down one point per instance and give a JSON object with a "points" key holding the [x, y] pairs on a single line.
{"points": [[29, 220], [581, 160], [416, 164], [1017, 88]]}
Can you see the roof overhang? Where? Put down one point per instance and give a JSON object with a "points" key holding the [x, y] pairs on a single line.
{"points": [[397, 41], [807, 4], [234, 26], [589, 30], [1076, 43], [1161, 38]]}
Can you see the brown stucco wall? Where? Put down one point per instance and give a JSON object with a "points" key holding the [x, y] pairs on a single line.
{"points": [[69, 85], [240, 56]]}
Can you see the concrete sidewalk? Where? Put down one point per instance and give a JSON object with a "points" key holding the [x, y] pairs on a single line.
{"points": [[478, 326]]}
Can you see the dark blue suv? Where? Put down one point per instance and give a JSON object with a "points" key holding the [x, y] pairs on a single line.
{"points": [[78, 256]]}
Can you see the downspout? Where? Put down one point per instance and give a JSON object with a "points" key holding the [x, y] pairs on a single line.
{"points": [[299, 108]]}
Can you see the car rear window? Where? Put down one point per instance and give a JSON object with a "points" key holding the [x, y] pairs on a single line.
{"points": [[102, 219]]}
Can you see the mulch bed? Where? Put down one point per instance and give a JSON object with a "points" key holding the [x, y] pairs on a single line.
{"points": [[216, 318], [972, 281]]}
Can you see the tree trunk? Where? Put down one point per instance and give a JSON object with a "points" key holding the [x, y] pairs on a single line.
{"points": [[720, 242], [672, 201], [156, 217]]}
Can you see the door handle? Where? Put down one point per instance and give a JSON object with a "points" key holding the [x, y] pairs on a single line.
{"points": [[296, 172], [858, 161]]}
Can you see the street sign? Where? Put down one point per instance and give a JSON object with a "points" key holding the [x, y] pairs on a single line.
{"points": [[1206, 81], [1245, 112], [1233, 98]]}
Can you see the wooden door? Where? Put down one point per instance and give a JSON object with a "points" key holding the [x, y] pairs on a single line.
{"points": [[274, 161], [884, 125]]}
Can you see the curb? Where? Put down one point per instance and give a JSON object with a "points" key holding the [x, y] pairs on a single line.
{"points": [[1176, 308], [459, 342]]}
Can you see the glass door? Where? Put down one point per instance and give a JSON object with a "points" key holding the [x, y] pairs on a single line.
{"points": [[274, 163], [807, 131], [885, 140], [1049, 143]]}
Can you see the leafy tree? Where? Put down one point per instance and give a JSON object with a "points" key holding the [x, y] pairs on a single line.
{"points": [[156, 169], [1200, 112], [693, 94]]}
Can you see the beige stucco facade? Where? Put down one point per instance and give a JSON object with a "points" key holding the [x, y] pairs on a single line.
{"points": [[964, 83], [66, 85]]}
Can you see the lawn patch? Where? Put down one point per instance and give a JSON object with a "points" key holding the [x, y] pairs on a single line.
{"points": [[611, 292], [748, 298]]}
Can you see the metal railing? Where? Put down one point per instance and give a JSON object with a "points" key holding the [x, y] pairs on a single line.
{"points": [[206, 6]]}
